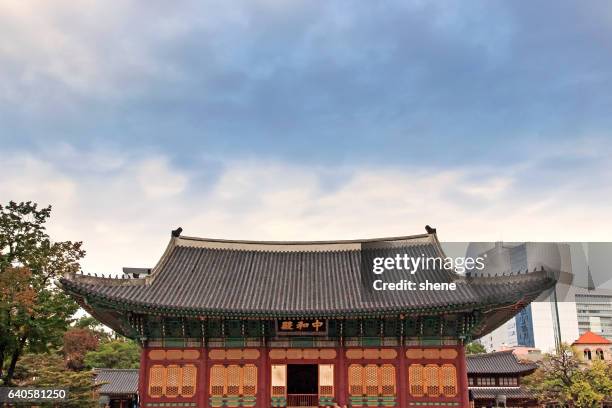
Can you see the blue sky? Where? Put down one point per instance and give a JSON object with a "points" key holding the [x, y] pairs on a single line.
{"points": [[315, 120]]}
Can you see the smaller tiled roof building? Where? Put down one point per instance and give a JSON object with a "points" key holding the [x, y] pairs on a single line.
{"points": [[119, 387], [498, 375], [591, 346]]}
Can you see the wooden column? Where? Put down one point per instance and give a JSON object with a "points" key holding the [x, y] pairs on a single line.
{"points": [[462, 377], [264, 378], [341, 374], [203, 377], [402, 378], [341, 368], [142, 376]]}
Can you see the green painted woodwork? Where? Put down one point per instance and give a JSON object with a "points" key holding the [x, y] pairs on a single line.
{"points": [[372, 401], [371, 327], [233, 401], [302, 342], [188, 332], [352, 328], [233, 328], [391, 327], [371, 341]]}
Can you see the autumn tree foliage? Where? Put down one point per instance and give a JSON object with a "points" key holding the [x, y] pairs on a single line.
{"points": [[77, 342], [35, 313]]}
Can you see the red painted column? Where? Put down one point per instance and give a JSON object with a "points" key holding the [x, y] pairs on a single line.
{"points": [[462, 377], [402, 378], [263, 382], [341, 374], [142, 376], [202, 396]]}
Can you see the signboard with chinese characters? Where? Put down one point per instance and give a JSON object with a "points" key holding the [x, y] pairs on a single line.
{"points": [[301, 327]]}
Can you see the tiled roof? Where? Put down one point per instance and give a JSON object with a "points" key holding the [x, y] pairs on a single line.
{"points": [[117, 381], [509, 392], [240, 278], [591, 338], [501, 362]]}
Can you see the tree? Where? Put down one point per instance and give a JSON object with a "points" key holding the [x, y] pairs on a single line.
{"points": [[90, 323], [48, 370], [114, 354], [16, 299], [561, 379], [77, 342], [25, 245], [474, 348]]}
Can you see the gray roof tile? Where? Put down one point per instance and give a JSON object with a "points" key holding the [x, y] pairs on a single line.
{"points": [[117, 381], [509, 392], [501, 362], [215, 277]]}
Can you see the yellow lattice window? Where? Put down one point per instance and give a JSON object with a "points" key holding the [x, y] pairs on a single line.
{"points": [[217, 380], [387, 379], [448, 380], [326, 379], [415, 380], [156, 380], [233, 380], [279, 380], [189, 378], [432, 380], [173, 380], [249, 382], [371, 380], [355, 379]]}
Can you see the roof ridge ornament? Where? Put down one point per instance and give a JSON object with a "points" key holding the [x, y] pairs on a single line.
{"points": [[430, 230], [177, 232]]}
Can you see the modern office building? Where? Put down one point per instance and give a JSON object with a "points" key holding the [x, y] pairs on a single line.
{"points": [[550, 319], [594, 312]]}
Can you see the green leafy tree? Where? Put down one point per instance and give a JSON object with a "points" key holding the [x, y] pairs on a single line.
{"points": [[25, 244], [49, 370], [121, 353], [562, 380], [474, 348]]}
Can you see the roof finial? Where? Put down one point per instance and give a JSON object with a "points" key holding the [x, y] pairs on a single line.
{"points": [[430, 230], [177, 232]]}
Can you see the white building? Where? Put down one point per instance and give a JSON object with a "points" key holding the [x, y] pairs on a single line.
{"points": [[548, 320]]}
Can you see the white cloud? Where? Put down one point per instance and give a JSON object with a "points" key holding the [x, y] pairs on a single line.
{"points": [[125, 211], [157, 180]]}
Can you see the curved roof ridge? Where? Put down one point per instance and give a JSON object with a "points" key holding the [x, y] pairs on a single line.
{"points": [[114, 369], [489, 354], [305, 242]]}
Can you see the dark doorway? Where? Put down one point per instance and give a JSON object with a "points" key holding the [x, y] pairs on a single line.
{"points": [[302, 385], [302, 379]]}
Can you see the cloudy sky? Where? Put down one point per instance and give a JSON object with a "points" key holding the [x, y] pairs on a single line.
{"points": [[269, 119]]}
